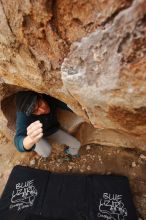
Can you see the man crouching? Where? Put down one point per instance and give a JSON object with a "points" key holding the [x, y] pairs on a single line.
{"points": [[36, 124]]}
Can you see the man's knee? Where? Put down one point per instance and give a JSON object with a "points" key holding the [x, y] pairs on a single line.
{"points": [[43, 148], [45, 153]]}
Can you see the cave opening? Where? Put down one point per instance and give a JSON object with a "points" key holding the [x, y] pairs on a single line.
{"points": [[68, 119]]}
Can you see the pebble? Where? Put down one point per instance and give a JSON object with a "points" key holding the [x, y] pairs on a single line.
{"points": [[84, 159], [133, 164], [88, 147], [88, 168], [37, 157], [70, 167], [142, 156], [140, 161], [99, 158], [32, 162]]}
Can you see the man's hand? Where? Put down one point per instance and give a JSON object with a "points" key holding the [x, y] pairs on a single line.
{"points": [[34, 134], [35, 131]]}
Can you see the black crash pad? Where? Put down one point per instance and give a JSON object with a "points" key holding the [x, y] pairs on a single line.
{"points": [[32, 194]]}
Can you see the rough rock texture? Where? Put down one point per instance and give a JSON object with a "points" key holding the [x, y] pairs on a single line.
{"points": [[94, 159], [105, 72], [90, 54]]}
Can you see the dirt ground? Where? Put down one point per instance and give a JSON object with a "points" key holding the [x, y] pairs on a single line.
{"points": [[93, 159]]}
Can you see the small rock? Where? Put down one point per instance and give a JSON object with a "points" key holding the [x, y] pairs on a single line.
{"points": [[108, 173], [142, 156], [133, 164], [88, 168], [92, 158], [70, 167], [32, 162], [37, 157], [59, 160], [88, 147], [100, 160], [140, 161], [99, 157], [66, 159]]}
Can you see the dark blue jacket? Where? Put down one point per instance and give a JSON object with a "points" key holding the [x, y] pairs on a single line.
{"points": [[49, 121]]}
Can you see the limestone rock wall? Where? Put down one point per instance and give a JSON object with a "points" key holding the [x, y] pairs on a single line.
{"points": [[89, 54]]}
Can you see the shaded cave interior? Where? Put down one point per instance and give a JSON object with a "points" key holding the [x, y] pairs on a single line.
{"points": [[68, 120]]}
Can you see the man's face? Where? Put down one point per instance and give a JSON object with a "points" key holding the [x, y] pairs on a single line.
{"points": [[41, 107]]}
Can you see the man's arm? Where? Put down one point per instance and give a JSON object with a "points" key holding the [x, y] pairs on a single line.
{"points": [[21, 131], [26, 136]]}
